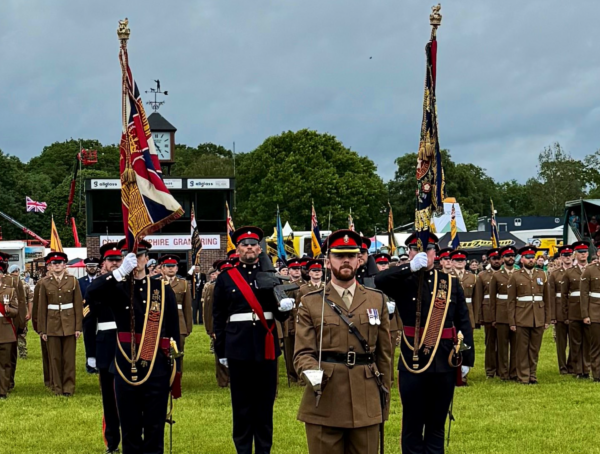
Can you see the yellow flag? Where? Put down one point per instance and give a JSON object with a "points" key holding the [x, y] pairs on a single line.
{"points": [[55, 244], [230, 229]]}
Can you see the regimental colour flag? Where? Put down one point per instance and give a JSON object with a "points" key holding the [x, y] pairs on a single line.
{"points": [[495, 237], [196, 242], [230, 229], [36, 207], [391, 237], [430, 173], [315, 234], [454, 240], [146, 202], [55, 244]]}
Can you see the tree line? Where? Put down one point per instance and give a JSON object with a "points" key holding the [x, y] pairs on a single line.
{"points": [[293, 170]]}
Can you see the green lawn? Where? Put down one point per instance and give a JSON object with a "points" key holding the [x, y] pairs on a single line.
{"points": [[560, 415]]}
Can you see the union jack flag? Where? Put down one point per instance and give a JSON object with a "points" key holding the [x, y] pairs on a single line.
{"points": [[146, 202], [36, 207]]}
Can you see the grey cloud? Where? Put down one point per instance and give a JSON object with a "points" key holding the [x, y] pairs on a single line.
{"points": [[513, 76]]}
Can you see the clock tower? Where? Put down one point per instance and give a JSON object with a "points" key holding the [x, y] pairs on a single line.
{"points": [[163, 132]]}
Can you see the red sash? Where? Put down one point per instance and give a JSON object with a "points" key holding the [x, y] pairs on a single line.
{"points": [[250, 297], [12, 325]]}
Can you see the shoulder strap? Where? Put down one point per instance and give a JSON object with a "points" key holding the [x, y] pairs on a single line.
{"points": [[351, 326]]}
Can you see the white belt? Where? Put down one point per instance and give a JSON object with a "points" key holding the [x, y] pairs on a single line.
{"points": [[595, 294], [558, 295], [469, 300], [180, 307], [1, 316], [486, 297], [105, 326], [501, 297], [530, 298], [249, 317], [575, 293], [60, 307]]}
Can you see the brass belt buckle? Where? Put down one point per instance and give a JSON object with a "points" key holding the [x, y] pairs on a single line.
{"points": [[351, 359]]}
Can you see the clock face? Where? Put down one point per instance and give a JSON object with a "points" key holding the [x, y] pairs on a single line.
{"points": [[162, 143]]}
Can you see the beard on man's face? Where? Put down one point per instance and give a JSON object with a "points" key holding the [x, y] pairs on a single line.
{"points": [[529, 265], [343, 273]]}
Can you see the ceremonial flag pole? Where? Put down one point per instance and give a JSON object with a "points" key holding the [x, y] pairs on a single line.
{"points": [[230, 229], [454, 240], [391, 237], [281, 254], [494, 227], [146, 202], [196, 242], [430, 173], [55, 243], [315, 234]]}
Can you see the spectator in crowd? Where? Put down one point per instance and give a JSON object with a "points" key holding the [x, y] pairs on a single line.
{"points": [[593, 226], [540, 263], [574, 220]]}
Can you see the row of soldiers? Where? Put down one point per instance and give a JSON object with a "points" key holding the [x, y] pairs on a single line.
{"points": [[515, 305]]}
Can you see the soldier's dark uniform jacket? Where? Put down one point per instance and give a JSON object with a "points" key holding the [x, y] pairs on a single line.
{"points": [[242, 341], [108, 291], [400, 284], [99, 333]]}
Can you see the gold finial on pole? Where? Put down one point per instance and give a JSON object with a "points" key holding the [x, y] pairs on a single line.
{"points": [[123, 31], [435, 18]]}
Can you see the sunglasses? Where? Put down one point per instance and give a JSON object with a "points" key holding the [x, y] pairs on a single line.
{"points": [[114, 259], [57, 262], [509, 256], [248, 242], [169, 266], [529, 256], [444, 258]]}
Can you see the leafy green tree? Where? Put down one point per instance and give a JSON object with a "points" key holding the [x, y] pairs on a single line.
{"points": [[206, 160], [295, 168]]}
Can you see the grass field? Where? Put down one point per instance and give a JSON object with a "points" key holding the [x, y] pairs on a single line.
{"points": [[560, 415]]}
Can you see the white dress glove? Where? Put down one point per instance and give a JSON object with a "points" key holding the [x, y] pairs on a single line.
{"points": [[224, 362], [418, 262], [391, 307], [128, 265], [91, 362], [464, 370], [286, 304]]}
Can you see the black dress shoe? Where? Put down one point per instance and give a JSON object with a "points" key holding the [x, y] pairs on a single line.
{"points": [[533, 382], [3, 397], [112, 451], [583, 376], [67, 394]]}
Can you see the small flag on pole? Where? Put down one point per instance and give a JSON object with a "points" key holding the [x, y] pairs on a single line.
{"points": [[36, 207], [230, 229], [494, 227], [454, 240], [281, 254], [391, 237], [55, 244], [315, 244], [196, 242]]}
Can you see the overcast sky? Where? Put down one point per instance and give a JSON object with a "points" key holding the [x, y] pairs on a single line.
{"points": [[514, 76]]}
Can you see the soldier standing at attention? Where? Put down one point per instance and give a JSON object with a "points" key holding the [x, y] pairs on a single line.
{"points": [[427, 384], [383, 263], [222, 373], [483, 312], [590, 311], [289, 326], [34, 324], [24, 310], [60, 322], [466, 278], [169, 264], [445, 260], [91, 268], [100, 336], [528, 314], [243, 318], [356, 356], [498, 287], [560, 308], [143, 381], [9, 309], [579, 341]]}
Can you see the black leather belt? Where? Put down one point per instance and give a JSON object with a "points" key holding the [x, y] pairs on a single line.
{"points": [[349, 359]]}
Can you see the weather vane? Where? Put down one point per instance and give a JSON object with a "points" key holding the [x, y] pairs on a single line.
{"points": [[156, 104]]}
